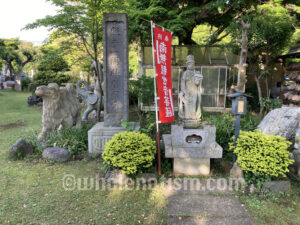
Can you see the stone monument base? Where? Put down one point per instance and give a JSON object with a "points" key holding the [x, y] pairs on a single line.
{"points": [[192, 149], [98, 135], [191, 166]]}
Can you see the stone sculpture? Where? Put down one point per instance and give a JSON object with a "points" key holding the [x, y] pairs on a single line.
{"points": [[60, 108], [190, 95], [87, 95], [190, 144]]}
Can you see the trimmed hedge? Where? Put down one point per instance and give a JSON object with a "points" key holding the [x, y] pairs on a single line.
{"points": [[129, 151], [262, 154]]}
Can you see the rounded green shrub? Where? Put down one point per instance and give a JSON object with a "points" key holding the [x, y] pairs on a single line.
{"points": [[262, 154], [129, 151]]}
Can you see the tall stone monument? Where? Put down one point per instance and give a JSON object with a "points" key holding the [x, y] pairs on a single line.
{"points": [[115, 62], [191, 144]]}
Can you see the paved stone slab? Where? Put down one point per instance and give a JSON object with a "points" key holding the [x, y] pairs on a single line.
{"points": [[205, 206], [214, 221], [201, 186]]}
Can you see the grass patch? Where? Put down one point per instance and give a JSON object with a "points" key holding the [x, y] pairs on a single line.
{"points": [[278, 209], [32, 193]]}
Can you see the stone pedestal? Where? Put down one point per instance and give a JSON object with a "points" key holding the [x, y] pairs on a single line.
{"points": [[99, 135], [192, 149], [191, 166]]}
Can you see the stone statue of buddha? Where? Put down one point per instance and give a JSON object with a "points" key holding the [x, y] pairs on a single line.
{"points": [[190, 95]]}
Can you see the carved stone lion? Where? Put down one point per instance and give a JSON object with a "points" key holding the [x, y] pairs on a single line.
{"points": [[60, 108]]}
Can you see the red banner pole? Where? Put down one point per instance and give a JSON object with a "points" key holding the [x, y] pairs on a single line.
{"points": [[156, 108]]}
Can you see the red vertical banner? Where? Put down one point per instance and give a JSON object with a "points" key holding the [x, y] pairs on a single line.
{"points": [[163, 53]]}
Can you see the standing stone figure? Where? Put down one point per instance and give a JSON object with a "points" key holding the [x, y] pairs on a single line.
{"points": [[190, 95], [87, 95]]}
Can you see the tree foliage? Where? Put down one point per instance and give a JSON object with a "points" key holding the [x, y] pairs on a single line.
{"points": [[52, 68], [83, 20], [182, 16], [15, 54], [272, 27]]}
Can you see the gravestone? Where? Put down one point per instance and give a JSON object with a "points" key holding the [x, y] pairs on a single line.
{"points": [[116, 100]]}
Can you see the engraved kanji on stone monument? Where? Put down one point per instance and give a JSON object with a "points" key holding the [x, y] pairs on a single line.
{"points": [[115, 70], [115, 59]]}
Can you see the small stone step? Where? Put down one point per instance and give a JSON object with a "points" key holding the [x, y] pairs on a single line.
{"points": [[209, 221], [205, 206]]}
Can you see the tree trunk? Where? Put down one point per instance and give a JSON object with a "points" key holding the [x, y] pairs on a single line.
{"points": [[243, 57], [98, 69], [283, 64], [11, 69], [261, 107], [266, 71], [187, 39], [267, 87], [99, 75]]}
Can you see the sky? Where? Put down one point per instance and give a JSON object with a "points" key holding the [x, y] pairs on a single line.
{"points": [[15, 14]]}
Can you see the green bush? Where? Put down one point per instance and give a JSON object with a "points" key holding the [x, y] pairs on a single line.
{"points": [[25, 83], [262, 155], [270, 104], [224, 128], [52, 68], [75, 140], [46, 77], [129, 151], [225, 125]]}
